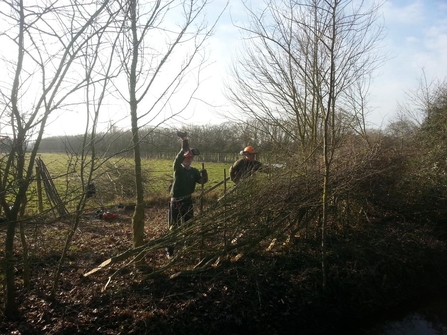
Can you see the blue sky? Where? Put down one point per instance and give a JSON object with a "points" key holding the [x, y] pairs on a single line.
{"points": [[415, 42]]}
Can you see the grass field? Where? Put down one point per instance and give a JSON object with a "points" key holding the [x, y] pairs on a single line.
{"points": [[114, 179]]}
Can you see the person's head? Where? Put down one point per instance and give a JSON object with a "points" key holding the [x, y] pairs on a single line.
{"points": [[188, 157], [249, 153]]}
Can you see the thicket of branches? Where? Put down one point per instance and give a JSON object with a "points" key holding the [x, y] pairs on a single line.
{"points": [[386, 177], [302, 87]]}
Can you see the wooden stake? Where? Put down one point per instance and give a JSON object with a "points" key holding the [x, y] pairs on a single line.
{"points": [[39, 190]]}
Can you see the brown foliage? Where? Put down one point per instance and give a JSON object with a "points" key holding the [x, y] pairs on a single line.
{"points": [[249, 263]]}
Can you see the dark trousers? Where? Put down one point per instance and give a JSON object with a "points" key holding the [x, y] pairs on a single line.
{"points": [[180, 211]]}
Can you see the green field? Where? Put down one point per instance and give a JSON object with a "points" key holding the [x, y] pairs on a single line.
{"points": [[114, 179]]}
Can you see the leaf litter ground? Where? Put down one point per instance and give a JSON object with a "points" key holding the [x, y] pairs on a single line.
{"points": [[262, 293]]}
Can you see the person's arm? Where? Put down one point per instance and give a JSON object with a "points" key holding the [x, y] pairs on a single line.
{"points": [[178, 161], [258, 166], [261, 167], [185, 143], [235, 171], [203, 177], [185, 148]]}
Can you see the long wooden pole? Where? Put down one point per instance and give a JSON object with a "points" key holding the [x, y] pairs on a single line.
{"points": [[225, 209], [39, 190], [202, 192], [201, 211]]}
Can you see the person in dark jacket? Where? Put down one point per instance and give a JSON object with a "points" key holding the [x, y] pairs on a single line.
{"points": [[246, 166], [185, 179]]}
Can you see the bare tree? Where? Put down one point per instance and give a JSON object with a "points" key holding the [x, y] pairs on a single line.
{"points": [[49, 40], [421, 100], [162, 46], [305, 69], [99, 67]]}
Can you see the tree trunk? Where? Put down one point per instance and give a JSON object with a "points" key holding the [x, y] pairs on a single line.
{"points": [[11, 309], [328, 140], [26, 269], [138, 216]]}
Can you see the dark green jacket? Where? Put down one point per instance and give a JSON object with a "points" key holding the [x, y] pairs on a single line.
{"points": [[184, 180], [244, 168]]}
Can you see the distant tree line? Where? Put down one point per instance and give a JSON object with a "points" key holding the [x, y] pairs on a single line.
{"points": [[221, 142]]}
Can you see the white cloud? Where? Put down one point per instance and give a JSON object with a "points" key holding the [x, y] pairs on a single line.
{"points": [[412, 40], [407, 14], [417, 43]]}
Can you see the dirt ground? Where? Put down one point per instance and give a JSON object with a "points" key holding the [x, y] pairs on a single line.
{"points": [[268, 293]]}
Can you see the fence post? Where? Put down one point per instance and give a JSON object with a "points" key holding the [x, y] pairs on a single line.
{"points": [[202, 244], [201, 196], [225, 210]]}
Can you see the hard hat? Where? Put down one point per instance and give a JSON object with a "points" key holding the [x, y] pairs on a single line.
{"points": [[248, 150]]}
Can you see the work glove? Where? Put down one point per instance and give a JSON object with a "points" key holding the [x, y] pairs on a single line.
{"points": [[185, 144], [204, 176], [182, 134], [184, 137]]}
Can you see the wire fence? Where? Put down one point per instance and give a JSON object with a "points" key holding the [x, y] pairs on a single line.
{"points": [[206, 157], [219, 157], [210, 157]]}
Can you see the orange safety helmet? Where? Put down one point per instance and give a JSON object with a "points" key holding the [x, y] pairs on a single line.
{"points": [[248, 150]]}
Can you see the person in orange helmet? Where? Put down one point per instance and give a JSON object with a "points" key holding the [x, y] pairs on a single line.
{"points": [[245, 166]]}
